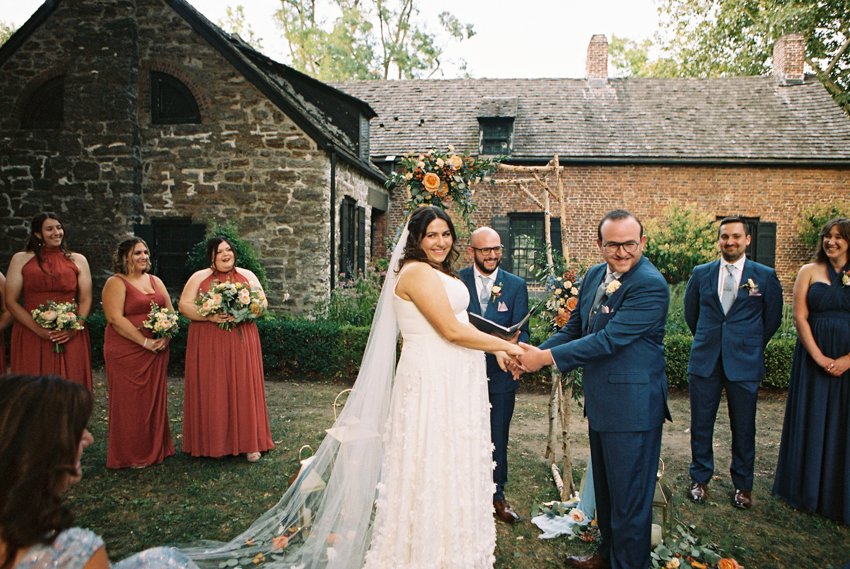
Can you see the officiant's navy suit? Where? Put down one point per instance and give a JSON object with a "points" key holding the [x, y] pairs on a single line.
{"points": [[625, 400], [728, 351], [507, 309]]}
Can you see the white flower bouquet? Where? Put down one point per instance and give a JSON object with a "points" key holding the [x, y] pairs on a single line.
{"points": [[59, 316], [162, 321], [236, 299]]}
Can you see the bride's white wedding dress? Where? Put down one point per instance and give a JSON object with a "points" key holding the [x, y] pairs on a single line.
{"points": [[434, 507]]}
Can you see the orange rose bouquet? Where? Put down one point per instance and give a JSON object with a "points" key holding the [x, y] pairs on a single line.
{"points": [[440, 178], [563, 297]]}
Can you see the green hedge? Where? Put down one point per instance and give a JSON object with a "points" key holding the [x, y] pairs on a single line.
{"points": [[777, 361], [292, 348], [296, 348]]}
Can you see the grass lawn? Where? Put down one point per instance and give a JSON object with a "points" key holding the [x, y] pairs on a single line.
{"points": [[186, 499]]}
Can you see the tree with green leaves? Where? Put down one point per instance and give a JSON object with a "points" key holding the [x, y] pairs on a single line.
{"points": [[361, 39], [716, 38], [6, 31], [679, 240], [235, 22]]}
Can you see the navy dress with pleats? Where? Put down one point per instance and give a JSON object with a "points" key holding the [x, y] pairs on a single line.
{"points": [[813, 473]]}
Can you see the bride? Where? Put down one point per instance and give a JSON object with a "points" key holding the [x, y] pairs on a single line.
{"points": [[404, 477]]}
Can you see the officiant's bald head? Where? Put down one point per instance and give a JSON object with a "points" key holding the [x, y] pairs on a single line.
{"points": [[485, 245]]}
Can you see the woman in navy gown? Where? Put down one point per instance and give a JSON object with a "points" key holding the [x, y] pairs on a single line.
{"points": [[814, 456]]}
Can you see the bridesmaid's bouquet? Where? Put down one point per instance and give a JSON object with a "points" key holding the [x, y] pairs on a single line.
{"points": [[236, 299], [162, 321], [59, 316]]}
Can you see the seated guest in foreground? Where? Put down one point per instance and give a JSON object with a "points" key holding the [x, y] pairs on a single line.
{"points": [[42, 438]]}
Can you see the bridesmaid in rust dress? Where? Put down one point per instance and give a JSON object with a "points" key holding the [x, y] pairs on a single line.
{"points": [[5, 322], [45, 270], [224, 400], [136, 362]]}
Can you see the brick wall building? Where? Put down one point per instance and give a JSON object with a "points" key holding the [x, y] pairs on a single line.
{"points": [[760, 147], [142, 116]]}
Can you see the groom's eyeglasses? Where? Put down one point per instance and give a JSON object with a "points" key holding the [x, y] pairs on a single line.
{"points": [[488, 250], [612, 247]]}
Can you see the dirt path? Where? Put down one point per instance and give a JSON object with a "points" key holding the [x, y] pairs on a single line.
{"points": [[529, 430]]}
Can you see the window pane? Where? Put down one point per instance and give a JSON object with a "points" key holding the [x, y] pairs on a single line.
{"points": [[527, 249]]}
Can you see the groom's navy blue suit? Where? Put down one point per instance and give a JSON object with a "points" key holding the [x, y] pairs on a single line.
{"points": [[507, 309], [728, 352], [625, 395]]}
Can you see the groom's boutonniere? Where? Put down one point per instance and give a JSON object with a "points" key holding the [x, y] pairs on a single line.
{"points": [[752, 287], [613, 287], [496, 291]]}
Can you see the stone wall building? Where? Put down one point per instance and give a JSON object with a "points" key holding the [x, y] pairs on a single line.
{"points": [[760, 147], [142, 116]]}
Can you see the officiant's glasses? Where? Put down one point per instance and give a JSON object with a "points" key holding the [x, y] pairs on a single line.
{"points": [[489, 250], [612, 247]]}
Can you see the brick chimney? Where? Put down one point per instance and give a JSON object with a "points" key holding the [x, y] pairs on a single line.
{"points": [[788, 59], [597, 60]]}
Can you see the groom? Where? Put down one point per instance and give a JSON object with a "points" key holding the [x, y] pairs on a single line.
{"points": [[732, 306], [503, 298], [616, 334]]}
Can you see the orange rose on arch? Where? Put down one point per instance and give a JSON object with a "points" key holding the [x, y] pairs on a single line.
{"points": [[431, 181], [729, 563], [571, 303]]}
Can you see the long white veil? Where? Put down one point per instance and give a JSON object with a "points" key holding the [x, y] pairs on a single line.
{"points": [[324, 520]]}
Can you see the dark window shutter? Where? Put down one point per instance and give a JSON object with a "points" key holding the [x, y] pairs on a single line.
{"points": [[556, 236], [347, 237], [45, 106], [361, 240], [171, 101], [766, 244], [502, 225], [170, 241]]}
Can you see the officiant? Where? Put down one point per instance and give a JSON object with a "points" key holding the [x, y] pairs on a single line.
{"points": [[501, 297]]}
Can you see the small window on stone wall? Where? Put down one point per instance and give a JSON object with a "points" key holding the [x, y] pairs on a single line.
{"points": [[171, 101], [45, 106]]}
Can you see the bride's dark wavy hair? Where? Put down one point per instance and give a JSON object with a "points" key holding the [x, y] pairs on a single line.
{"points": [[417, 227], [42, 419]]}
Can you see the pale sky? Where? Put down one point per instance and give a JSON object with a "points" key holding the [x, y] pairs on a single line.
{"points": [[528, 38]]}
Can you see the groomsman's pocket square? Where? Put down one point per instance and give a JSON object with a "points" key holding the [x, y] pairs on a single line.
{"points": [[502, 307], [604, 309]]}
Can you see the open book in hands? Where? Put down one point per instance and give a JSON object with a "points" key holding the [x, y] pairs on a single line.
{"points": [[504, 332]]}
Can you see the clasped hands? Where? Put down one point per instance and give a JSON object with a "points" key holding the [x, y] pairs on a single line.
{"points": [[836, 367], [529, 359]]}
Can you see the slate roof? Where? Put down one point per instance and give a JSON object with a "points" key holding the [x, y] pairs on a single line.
{"points": [[632, 120]]}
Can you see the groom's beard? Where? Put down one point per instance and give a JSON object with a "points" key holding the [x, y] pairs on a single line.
{"points": [[484, 270]]}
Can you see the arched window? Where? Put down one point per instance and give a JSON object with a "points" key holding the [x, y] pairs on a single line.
{"points": [[45, 106], [171, 101]]}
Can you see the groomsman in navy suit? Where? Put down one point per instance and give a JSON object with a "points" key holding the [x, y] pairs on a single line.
{"points": [[616, 334], [503, 298], [733, 306]]}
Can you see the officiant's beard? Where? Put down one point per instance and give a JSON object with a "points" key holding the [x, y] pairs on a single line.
{"points": [[486, 270]]}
